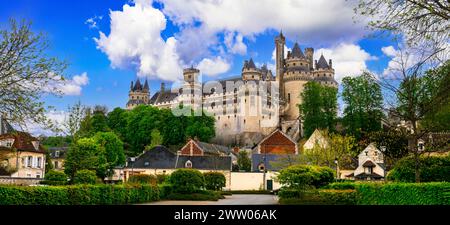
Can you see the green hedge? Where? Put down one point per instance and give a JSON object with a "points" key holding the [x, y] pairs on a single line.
{"points": [[404, 194], [78, 195], [432, 169], [371, 194], [142, 179]]}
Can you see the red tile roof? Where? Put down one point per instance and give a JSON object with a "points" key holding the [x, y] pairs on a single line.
{"points": [[22, 141]]}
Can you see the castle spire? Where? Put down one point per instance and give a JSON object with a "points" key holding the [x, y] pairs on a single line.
{"points": [[146, 85]]}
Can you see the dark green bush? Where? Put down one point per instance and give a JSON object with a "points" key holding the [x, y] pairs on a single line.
{"points": [[54, 175], [85, 177], [198, 196], [142, 179], [341, 186], [339, 197], [214, 181], [187, 181], [305, 176], [161, 178], [78, 195], [432, 169], [404, 194]]}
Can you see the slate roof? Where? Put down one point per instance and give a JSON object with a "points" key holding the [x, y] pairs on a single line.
{"points": [[166, 96], [161, 157], [322, 64], [297, 52], [62, 152], [213, 148], [5, 127], [257, 159], [23, 141], [136, 101]]}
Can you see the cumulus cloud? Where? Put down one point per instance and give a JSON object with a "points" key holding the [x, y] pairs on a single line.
{"points": [[92, 22], [56, 117], [71, 87], [348, 59], [135, 40], [235, 44], [389, 51], [212, 67]]}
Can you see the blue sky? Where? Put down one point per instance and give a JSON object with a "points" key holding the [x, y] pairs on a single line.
{"points": [[155, 40]]}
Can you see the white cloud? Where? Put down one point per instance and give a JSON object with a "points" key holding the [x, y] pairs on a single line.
{"points": [[212, 67], [135, 40], [348, 59], [235, 44], [71, 87], [56, 117], [389, 51], [92, 22]]}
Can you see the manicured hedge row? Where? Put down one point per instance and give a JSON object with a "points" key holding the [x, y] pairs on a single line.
{"points": [[372, 194], [404, 194], [78, 195]]}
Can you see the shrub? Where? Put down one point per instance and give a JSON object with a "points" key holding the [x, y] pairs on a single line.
{"points": [[432, 169], [203, 195], [187, 180], [161, 178], [54, 175], [341, 186], [85, 177], [78, 195], [214, 181], [304, 176], [142, 179], [339, 197]]}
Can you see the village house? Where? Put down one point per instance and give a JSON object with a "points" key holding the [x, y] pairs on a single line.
{"points": [[370, 164], [22, 156], [57, 157], [317, 138]]}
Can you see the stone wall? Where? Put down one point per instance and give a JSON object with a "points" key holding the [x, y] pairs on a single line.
{"points": [[19, 181]]}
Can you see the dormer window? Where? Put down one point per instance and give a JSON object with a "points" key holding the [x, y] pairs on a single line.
{"points": [[35, 145], [7, 143], [188, 164]]}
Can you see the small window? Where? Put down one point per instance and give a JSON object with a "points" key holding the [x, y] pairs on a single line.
{"points": [[30, 161], [146, 163], [289, 97], [188, 164], [294, 64], [39, 162]]}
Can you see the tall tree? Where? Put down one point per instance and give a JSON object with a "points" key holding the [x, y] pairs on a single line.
{"points": [[156, 139], [244, 162], [363, 104], [72, 123], [113, 150], [86, 153], [26, 73], [117, 121], [319, 107]]}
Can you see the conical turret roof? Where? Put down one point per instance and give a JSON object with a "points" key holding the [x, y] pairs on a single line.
{"points": [[297, 52], [322, 64]]}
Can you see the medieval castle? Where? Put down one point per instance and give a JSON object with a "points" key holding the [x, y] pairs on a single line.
{"points": [[250, 109]]}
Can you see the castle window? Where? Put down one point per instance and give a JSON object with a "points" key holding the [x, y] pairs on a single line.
{"points": [[294, 64], [189, 76], [245, 121], [235, 90], [213, 104], [253, 76], [289, 97]]}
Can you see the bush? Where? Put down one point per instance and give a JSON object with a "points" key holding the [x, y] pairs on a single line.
{"points": [[54, 175], [187, 181], [341, 186], [161, 178], [78, 195], [305, 176], [142, 179], [214, 181], [198, 196], [432, 169], [85, 177], [339, 197], [404, 194]]}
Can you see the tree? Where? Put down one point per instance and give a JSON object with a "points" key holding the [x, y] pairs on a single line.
{"points": [[85, 177], [305, 176], [113, 150], [319, 107], [244, 161], [416, 20], [99, 121], [156, 139], [363, 104], [86, 154], [72, 123], [117, 121], [339, 147], [417, 94], [201, 127], [214, 181], [26, 73]]}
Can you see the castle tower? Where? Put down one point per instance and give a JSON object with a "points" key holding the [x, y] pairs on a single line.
{"points": [[138, 95], [192, 88], [280, 42], [250, 72], [309, 52], [324, 72]]}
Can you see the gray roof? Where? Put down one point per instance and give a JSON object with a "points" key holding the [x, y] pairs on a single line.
{"points": [[213, 148], [258, 159], [62, 152], [322, 64], [297, 52], [5, 127], [166, 96], [161, 157], [136, 102]]}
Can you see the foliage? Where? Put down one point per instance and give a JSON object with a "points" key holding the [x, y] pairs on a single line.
{"points": [[339, 147], [199, 196], [156, 139], [94, 121], [187, 180], [85, 177], [54, 175], [318, 197], [201, 127], [142, 179], [117, 121], [341, 186], [73, 122], [113, 150], [27, 73], [363, 104], [432, 169], [244, 162], [305, 176], [78, 195], [86, 153], [57, 141], [319, 107], [404, 194], [161, 178], [214, 181]]}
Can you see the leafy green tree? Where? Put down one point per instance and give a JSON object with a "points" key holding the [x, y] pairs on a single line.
{"points": [[73, 122], [214, 181], [305, 176], [201, 127], [27, 73], [99, 121], [113, 150], [319, 107], [244, 162], [187, 181], [117, 121], [86, 154], [156, 138], [54, 175], [363, 104]]}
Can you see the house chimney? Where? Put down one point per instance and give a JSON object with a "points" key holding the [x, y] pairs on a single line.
{"points": [[330, 64]]}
